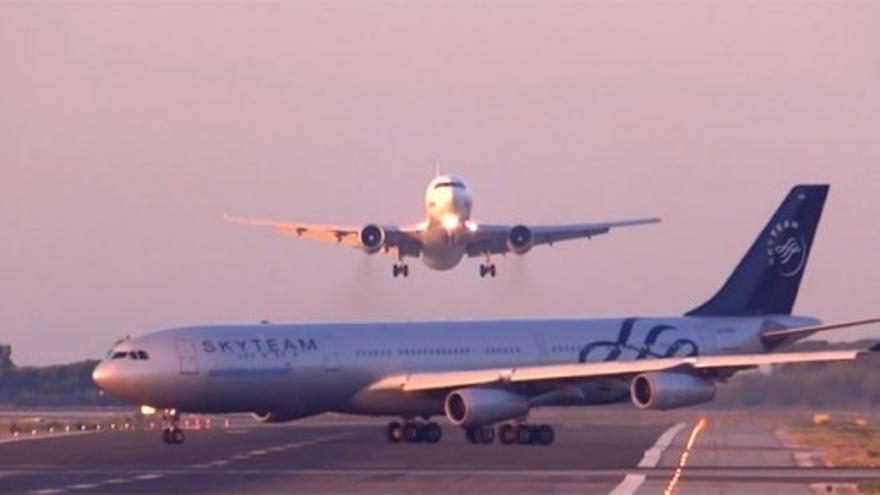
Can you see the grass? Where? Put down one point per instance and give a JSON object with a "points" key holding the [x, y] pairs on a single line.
{"points": [[869, 487], [844, 441]]}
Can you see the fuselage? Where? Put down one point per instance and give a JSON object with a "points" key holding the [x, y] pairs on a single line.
{"points": [[447, 225], [303, 369]]}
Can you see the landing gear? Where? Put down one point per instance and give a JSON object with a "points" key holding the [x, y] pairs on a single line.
{"points": [[487, 270], [480, 434], [401, 269], [171, 432], [525, 434], [414, 432]]}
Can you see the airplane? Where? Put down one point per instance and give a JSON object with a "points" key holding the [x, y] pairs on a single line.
{"points": [[483, 373], [447, 233]]}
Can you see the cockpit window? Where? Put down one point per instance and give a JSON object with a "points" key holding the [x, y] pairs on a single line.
{"points": [[458, 185], [137, 355]]}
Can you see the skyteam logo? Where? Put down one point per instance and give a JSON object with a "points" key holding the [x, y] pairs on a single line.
{"points": [[786, 249]]}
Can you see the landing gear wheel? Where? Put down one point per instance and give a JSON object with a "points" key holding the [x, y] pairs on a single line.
{"points": [[400, 269], [507, 434], [471, 435], [171, 433], [487, 434], [524, 435], [412, 432], [487, 269], [178, 436], [544, 435], [394, 432], [432, 432]]}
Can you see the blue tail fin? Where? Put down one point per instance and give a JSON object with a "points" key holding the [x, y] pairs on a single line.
{"points": [[767, 279]]}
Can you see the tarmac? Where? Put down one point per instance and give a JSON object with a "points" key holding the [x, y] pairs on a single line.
{"points": [[618, 451]]}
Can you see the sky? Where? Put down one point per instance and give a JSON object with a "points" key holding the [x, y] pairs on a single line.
{"points": [[127, 130]]}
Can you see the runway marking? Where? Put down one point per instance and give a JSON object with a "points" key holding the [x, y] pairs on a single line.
{"points": [[632, 482], [218, 462], [83, 486], [673, 482], [60, 434], [149, 476]]}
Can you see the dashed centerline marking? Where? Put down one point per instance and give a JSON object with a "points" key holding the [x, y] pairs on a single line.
{"points": [[218, 462], [83, 486]]}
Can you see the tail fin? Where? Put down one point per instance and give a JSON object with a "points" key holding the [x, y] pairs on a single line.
{"points": [[767, 279]]}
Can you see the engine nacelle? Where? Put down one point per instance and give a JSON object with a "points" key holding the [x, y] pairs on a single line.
{"points": [[372, 238], [665, 390], [482, 406], [520, 239]]}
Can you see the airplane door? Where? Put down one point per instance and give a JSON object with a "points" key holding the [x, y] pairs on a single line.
{"points": [[541, 348], [330, 353], [186, 353]]}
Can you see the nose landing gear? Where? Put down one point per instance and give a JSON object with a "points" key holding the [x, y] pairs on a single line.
{"points": [[171, 432]]}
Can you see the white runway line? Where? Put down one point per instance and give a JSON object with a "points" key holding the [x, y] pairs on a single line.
{"points": [[219, 462], [83, 486], [149, 476], [652, 456]]}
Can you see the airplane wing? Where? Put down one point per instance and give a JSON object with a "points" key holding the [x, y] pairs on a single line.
{"points": [[404, 239], [493, 239], [447, 380]]}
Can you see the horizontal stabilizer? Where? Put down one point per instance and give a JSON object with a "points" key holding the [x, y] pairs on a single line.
{"points": [[784, 333]]}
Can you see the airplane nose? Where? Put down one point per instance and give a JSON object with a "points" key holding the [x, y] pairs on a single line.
{"points": [[100, 375]]}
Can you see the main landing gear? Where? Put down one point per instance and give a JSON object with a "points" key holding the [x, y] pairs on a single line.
{"points": [[400, 269], [509, 433], [411, 431], [171, 432], [487, 268]]}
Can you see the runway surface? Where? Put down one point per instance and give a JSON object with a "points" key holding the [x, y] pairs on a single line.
{"points": [[629, 453]]}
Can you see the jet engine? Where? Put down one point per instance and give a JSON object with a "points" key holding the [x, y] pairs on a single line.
{"points": [[482, 406], [372, 238], [520, 239], [664, 390]]}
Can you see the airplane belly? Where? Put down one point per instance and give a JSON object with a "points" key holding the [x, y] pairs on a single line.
{"points": [[440, 252]]}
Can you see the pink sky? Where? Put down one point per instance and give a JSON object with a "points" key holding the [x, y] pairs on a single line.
{"points": [[128, 128]]}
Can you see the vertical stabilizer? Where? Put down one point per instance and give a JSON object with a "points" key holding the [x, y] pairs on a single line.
{"points": [[767, 279]]}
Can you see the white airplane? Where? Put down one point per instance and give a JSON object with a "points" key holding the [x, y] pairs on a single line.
{"points": [[447, 233], [481, 373]]}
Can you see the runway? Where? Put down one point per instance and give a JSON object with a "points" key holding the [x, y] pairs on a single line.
{"points": [[594, 453]]}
